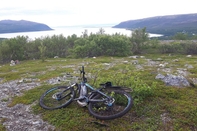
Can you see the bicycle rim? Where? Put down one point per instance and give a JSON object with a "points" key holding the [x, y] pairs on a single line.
{"points": [[122, 103], [57, 97]]}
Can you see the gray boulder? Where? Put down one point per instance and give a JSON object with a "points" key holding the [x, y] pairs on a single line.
{"points": [[172, 80]]}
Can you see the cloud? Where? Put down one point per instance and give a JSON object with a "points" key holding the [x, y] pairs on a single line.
{"points": [[78, 12]]}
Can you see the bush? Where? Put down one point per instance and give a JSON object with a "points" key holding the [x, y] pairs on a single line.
{"points": [[191, 48], [181, 47], [128, 78], [173, 47]]}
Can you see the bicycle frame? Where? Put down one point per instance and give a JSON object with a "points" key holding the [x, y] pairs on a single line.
{"points": [[106, 102], [93, 90]]}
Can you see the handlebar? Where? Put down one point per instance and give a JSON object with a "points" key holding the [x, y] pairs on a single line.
{"points": [[83, 74]]}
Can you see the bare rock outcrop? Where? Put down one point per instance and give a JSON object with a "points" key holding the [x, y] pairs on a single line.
{"points": [[172, 80]]}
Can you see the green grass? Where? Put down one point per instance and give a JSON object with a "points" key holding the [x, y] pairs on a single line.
{"points": [[156, 108]]}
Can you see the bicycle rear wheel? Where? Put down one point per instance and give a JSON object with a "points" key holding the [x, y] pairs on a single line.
{"points": [[118, 106], [57, 97]]}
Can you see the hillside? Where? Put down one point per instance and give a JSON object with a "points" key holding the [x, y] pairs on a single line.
{"points": [[166, 25], [157, 106], [12, 26]]}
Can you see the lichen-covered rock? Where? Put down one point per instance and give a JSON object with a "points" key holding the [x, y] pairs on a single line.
{"points": [[172, 80], [20, 117]]}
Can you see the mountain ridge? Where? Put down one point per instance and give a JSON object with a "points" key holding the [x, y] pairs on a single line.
{"points": [[14, 26], [166, 25]]}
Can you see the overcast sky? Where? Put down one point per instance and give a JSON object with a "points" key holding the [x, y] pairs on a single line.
{"points": [[86, 12]]}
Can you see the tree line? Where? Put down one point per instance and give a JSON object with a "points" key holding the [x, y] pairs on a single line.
{"points": [[98, 44]]}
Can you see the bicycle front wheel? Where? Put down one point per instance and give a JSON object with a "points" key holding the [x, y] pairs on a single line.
{"points": [[57, 97], [118, 106]]}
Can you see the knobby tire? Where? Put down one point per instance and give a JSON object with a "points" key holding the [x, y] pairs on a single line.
{"points": [[52, 99], [123, 102]]}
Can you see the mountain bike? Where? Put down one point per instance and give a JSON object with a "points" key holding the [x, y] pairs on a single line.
{"points": [[106, 102]]}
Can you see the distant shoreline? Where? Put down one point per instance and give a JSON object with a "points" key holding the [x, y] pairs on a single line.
{"points": [[69, 31], [27, 31]]}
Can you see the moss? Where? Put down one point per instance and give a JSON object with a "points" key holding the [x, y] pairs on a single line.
{"points": [[179, 104]]}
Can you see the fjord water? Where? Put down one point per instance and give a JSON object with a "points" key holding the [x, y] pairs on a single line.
{"points": [[68, 31]]}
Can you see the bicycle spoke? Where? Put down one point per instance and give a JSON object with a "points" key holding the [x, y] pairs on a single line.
{"points": [[120, 103], [57, 97]]}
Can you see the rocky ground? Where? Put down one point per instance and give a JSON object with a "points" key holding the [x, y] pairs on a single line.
{"points": [[21, 118]]}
